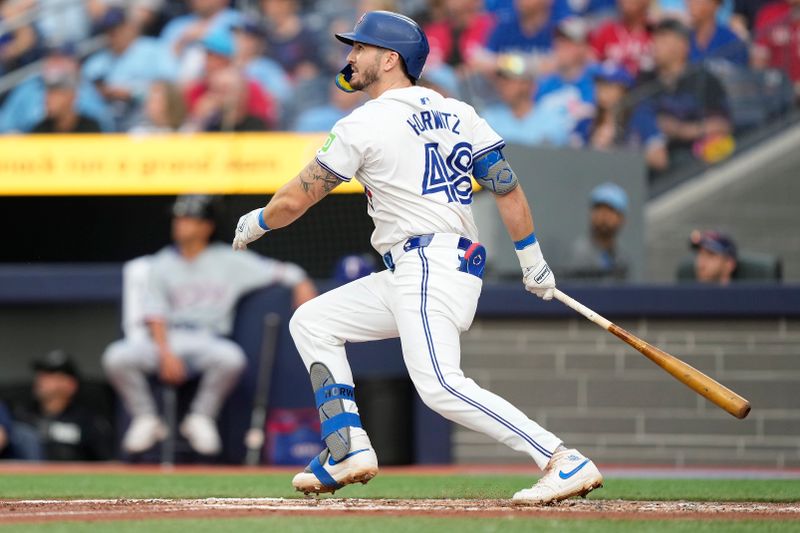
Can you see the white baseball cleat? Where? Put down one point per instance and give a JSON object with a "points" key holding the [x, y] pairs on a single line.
{"points": [[201, 432], [143, 433], [568, 474], [324, 474]]}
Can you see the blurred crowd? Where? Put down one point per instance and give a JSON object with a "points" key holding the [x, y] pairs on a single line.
{"points": [[674, 79]]}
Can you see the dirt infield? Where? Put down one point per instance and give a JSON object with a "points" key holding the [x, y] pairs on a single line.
{"points": [[25, 511]]}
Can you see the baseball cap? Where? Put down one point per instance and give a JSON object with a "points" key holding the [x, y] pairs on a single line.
{"points": [[612, 195], [219, 42], [674, 26], [713, 241], [56, 361], [201, 206], [113, 17], [613, 73], [67, 49], [574, 29], [250, 25]]}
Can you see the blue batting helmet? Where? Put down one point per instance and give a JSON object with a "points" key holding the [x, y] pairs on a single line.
{"points": [[395, 32]]}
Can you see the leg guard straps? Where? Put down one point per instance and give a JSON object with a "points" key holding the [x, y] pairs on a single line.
{"points": [[340, 421], [322, 475], [337, 391]]}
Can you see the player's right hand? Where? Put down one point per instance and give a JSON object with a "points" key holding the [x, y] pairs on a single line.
{"points": [[248, 229], [171, 369], [536, 273]]}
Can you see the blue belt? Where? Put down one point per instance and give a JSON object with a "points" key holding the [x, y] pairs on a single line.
{"points": [[420, 241]]}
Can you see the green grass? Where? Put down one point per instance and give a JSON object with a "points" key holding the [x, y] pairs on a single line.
{"points": [[390, 524], [188, 485]]}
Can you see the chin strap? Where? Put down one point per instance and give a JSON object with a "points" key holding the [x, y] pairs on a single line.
{"points": [[343, 79]]}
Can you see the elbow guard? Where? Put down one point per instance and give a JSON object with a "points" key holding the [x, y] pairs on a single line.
{"points": [[493, 172]]}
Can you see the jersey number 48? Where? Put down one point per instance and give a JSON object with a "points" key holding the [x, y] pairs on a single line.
{"points": [[452, 175]]}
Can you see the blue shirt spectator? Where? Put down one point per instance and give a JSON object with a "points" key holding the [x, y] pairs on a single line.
{"points": [[24, 107], [181, 37], [712, 39], [528, 29], [724, 44], [517, 118]]}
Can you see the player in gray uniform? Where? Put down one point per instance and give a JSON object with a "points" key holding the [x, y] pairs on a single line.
{"points": [[193, 288]]}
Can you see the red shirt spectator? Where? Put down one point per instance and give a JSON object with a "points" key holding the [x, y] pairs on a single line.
{"points": [[259, 103], [777, 32], [455, 39], [627, 40]]}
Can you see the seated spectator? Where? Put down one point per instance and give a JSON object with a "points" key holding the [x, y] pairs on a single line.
{"points": [[164, 110], [712, 40], [626, 40], [219, 57], [573, 70], [777, 39], [68, 431], [619, 123], [598, 255], [291, 42], [250, 44], [224, 106], [18, 43], [527, 30], [715, 257], [193, 287], [25, 105], [181, 37], [124, 70], [461, 31], [60, 114], [322, 118], [517, 118], [690, 103]]}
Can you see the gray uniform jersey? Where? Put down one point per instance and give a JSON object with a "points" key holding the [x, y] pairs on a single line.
{"points": [[202, 293]]}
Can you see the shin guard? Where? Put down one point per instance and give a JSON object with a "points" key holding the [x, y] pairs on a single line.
{"points": [[336, 421]]}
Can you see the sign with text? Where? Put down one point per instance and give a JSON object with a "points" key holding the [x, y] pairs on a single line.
{"points": [[219, 163]]}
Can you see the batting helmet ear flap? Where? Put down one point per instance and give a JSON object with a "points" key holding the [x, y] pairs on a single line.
{"points": [[343, 79]]}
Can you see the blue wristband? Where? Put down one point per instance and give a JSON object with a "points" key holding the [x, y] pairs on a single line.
{"points": [[261, 223], [527, 241]]}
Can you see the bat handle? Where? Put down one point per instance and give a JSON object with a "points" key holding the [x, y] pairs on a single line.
{"points": [[582, 309]]}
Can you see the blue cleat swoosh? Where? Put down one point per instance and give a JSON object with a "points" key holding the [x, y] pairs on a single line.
{"points": [[567, 475], [331, 462]]}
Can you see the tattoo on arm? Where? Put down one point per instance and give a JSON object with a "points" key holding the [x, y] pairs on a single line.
{"points": [[317, 182]]}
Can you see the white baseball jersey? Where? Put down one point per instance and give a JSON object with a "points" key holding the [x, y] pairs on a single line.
{"points": [[412, 149]]}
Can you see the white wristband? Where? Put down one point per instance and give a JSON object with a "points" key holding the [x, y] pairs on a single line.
{"points": [[530, 255]]}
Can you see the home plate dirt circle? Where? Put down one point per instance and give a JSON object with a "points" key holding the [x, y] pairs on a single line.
{"points": [[18, 511]]}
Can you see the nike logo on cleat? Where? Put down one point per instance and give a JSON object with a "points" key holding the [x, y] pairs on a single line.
{"points": [[331, 462], [567, 475]]}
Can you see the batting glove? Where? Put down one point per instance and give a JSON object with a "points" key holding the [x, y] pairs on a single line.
{"points": [[250, 227], [536, 274]]}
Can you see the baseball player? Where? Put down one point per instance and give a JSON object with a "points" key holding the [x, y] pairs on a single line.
{"points": [[415, 152], [192, 291]]}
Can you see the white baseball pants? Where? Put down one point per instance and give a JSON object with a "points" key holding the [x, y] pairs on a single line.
{"points": [[220, 361], [427, 302]]}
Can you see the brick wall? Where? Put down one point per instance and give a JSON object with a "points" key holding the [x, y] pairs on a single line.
{"points": [[602, 396]]}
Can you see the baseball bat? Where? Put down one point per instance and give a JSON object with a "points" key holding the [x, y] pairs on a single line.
{"points": [[703, 385], [254, 439]]}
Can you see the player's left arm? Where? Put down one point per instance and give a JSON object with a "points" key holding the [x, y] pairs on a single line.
{"points": [[288, 204], [494, 173]]}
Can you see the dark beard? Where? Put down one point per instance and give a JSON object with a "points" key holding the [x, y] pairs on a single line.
{"points": [[366, 77]]}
